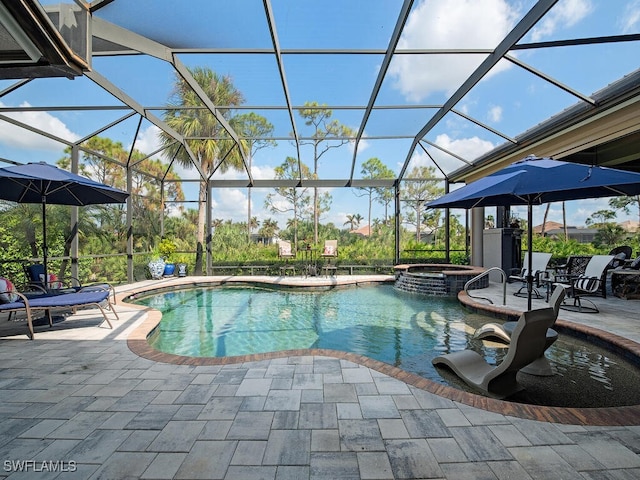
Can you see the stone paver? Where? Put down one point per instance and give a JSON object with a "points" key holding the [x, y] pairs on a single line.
{"points": [[80, 396]]}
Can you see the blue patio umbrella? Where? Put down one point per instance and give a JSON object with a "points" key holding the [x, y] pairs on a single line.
{"points": [[534, 181], [46, 184]]}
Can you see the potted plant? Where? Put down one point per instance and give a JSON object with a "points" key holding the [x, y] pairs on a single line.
{"points": [[167, 248], [182, 262]]}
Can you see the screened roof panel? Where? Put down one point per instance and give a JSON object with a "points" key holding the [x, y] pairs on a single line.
{"points": [[255, 75], [335, 24], [78, 92], [513, 101], [461, 25], [193, 24], [606, 63], [331, 79], [134, 74], [443, 81], [397, 122], [429, 78]]}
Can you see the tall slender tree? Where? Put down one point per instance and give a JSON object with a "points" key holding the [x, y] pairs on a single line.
{"points": [[374, 169], [416, 192], [327, 134], [256, 130], [295, 200]]}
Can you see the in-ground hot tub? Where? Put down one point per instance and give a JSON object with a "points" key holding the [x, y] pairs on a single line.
{"points": [[439, 279]]}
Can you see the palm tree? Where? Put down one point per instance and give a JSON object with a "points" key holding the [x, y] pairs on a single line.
{"points": [[353, 221], [218, 151], [253, 224], [269, 228]]}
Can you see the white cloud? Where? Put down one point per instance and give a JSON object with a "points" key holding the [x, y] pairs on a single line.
{"points": [[630, 21], [148, 141], [445, 24], [466, 148], [262, 172], [495, 113], [231, 203], [18, 137], [564, 14]]}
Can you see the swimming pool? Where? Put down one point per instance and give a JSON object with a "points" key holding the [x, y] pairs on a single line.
{"points": [[378, 322]]}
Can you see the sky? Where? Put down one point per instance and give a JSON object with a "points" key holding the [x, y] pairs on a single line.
{"points": [[509, 99]]}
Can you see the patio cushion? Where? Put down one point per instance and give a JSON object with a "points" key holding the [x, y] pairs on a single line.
{"points": [[59, 300], [8, 294], [618, 260], [34, 271], [53, 280]]}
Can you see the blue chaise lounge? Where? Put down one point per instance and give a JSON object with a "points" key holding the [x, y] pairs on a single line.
{"points": [[19, 303]]}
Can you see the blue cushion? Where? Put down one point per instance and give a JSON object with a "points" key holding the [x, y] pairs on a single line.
{"points": [[64, 300], [34, 271]]}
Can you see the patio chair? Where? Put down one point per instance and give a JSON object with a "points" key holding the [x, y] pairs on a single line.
{"points": [[329, 251], [591, 282], [12, 301], [503, 332], [36, 281], [621, 254], [286, 253], [539, 263], [528, 343]]}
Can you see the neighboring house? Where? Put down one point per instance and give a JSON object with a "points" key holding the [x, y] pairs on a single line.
{"points": [[255, 238], [548, 226], [630, 226], [581, 235], [362, 231]]}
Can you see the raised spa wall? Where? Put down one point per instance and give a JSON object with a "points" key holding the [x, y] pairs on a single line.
{"points": [[435, 279]]}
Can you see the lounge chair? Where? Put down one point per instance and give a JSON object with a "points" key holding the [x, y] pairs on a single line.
{"points": [[17, 302], [539, 263], [286, 253], [329, 251], [591, 282], [503, 332], [36, 281], [528, 343]]}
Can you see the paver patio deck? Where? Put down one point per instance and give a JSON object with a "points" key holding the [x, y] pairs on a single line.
{"points": [[79, 396]]}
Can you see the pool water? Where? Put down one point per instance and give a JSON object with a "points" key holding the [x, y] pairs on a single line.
{"points": [[377, 321]]}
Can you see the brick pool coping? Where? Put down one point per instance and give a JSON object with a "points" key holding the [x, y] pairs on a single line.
{"points": [[601, 416]]}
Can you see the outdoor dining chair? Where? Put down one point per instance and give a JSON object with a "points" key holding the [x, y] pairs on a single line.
{"points": [[591, 282], [286, 253], [539, 263]]}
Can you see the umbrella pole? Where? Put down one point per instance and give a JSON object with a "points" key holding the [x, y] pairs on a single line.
{"points": [[44, 242], [530, 250]]}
